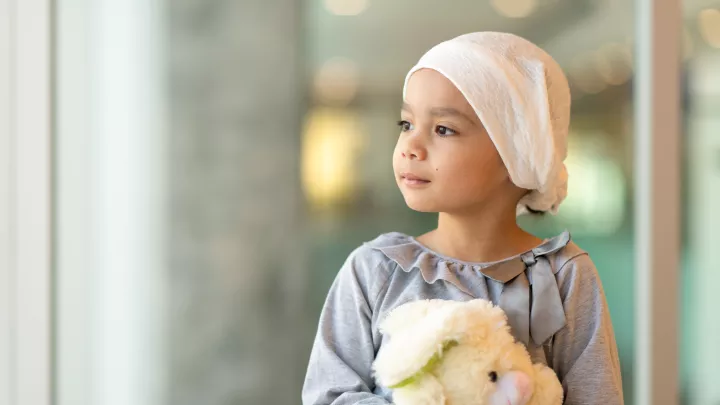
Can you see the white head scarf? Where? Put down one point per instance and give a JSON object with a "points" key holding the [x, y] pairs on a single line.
{"points": [[522, 98]]}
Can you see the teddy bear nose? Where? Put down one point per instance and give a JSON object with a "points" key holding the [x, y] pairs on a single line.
{"points": [[514, 388], [493, 376]]}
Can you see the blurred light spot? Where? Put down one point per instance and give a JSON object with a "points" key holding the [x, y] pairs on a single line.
{"points": [[596, 187], [627, 48], [514, 8], [584, 75], [613, 64], [331, 143], [336, 81], [346, 7], [709, 25]]}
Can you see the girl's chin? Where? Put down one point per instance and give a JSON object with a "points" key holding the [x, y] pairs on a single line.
{"points": [[421, 205]]}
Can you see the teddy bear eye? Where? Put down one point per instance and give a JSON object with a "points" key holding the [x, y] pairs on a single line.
{"points": [[493, 376]]}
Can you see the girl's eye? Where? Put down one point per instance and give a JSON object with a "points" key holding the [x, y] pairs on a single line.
{"points": [[405, 126], [444, 131]]}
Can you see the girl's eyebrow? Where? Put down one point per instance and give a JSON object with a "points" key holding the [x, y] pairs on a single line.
{"points": [[441, 112], [449, 111]]}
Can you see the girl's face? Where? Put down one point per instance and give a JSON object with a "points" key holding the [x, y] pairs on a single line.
{"points": [[444, 160]]}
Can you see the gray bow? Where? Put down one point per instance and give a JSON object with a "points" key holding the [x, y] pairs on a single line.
{"points": [[530, 295]]}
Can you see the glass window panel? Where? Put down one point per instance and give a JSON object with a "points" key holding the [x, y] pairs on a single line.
{"points": [[217, 161]]}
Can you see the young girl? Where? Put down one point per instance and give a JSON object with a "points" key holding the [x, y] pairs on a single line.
{"points": [[483, 139]]}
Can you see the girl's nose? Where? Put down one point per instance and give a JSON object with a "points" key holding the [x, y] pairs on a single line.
{"points": [[414, 151]]}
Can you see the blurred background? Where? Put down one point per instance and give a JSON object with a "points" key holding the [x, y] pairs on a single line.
{"points": [[215, 162]]}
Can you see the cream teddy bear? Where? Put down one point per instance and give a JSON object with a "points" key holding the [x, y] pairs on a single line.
{"points": [[459, 353]]}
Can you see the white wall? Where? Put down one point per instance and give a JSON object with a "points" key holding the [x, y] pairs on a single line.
{"points": [[5, 207], [75, 241], [704, 216], [25, 202], [109, 193]]}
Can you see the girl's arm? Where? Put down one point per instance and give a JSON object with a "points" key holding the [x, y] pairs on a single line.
{"points": [[584, 352], [340, 368]]}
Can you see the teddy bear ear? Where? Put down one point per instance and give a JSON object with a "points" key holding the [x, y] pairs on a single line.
{"points": [[419, 336], [492, 314], [409, 314]]}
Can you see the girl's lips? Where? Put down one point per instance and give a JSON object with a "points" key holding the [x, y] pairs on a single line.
{"points": [[413, 180], [415, 183], [412, 177]]}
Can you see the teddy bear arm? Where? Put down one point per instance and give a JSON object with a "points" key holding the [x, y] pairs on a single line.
{"points": [[427, 390], [548, 390]]}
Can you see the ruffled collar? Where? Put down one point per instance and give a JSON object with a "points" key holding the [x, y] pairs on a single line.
{"points": [[518, 274], [410, 254]]}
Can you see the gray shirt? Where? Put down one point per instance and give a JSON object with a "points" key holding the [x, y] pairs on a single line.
{"points": [[552, 296]]}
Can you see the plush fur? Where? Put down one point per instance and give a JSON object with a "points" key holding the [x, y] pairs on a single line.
{"points": [[459, 353]]}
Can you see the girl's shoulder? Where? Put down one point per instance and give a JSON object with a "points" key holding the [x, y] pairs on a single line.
{"points": [[374, 253], [379, 257], [573, 267], [368, 267], [569, 257]]}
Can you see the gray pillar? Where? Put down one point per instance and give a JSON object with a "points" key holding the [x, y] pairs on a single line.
{"points": [[657, 200], [235, 269]]}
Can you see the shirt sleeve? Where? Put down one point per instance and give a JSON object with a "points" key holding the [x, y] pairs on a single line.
{"points": [[584, 352], [340, 367]]}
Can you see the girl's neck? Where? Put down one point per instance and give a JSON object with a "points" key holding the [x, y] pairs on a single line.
{"points": [[480, 236]]}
